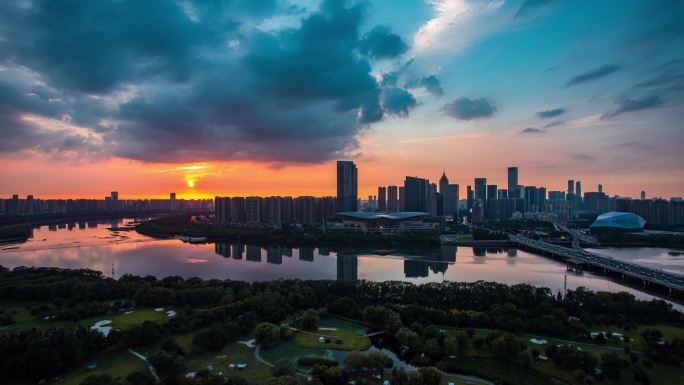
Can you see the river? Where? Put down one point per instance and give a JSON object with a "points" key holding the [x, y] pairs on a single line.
{"points": [[93, 245]]}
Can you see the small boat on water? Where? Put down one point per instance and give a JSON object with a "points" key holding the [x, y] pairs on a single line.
{"points": [[190, 239], [675, 253]]}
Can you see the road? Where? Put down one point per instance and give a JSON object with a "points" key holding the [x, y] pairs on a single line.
{"points": [[147, 363], [664, 278]]}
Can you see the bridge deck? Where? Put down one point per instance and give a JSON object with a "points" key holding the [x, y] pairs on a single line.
{"points": [[667, 279]]}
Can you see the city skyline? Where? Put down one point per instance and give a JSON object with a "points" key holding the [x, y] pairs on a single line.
{"points": [[251, 99]]}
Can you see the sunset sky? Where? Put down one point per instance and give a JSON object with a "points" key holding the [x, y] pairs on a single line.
{"points": [[250, 97]]}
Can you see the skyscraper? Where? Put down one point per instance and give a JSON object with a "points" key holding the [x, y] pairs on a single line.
{"points": [[643, 195], [392, 199], [571, 188], [450, 197], [443, 183], [512, 181], [470, 197], [382, 199], [600, 188], [578, 189], [172, 201], [480, 191], [416, 194], [347, 186], [115, 200]]}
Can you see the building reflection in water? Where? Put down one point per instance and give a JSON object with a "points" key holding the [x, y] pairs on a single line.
{"points": [[254, 253], [348, 267], [273, 255], [421, 266], [306, 254]]}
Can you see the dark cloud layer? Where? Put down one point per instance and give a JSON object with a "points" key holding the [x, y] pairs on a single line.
{"points": [[380, 43], [628, 105], [166, 81], [532, 130], [468, 109], [594, 74], [551, 113], [430, 83]]}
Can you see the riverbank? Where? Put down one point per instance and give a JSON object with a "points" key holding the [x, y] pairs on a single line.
{"points": [[291, 237]]}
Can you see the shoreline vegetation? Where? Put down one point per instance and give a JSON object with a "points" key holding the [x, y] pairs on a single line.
{"points": [[508, 334], [294, 237]]}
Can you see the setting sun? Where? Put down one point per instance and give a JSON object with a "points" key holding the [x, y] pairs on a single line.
{"points": [[191, 184]]}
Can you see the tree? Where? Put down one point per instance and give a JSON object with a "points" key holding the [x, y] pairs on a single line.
{"points": [[100, 379], [425, 376], [171, 346], [378, 361], [167, 365], [354, 361], [266, 334], [283, 367], [410, 339], [212, 339], [139, 377], [310, 320], [504, 345], [286, 333], [611, 364]]}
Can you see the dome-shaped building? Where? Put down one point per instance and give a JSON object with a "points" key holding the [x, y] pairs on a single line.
{"points": [[618, 221]]}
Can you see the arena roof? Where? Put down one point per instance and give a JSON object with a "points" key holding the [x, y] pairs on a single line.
{"points": [[619, 221], [400, 215]]}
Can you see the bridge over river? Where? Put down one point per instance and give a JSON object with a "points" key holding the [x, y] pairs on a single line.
{"points": [[575, 258]]}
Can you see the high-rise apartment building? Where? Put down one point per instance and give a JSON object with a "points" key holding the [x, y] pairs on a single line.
{"points": [[347, 186], [392, 199], [382, 199]]}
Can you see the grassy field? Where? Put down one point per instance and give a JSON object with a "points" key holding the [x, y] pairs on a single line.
{"points": [[234, 353], [118, 363], [292, 352], [18, 310], [120, 321], [339, 339]]}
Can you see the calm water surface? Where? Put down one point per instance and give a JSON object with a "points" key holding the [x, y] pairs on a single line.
{"points": [[656, 257], [93, 245]]}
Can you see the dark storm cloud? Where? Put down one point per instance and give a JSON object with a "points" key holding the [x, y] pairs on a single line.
{"points": [[398, 102], [380, 43], [629, 105], [430, 83], [165, 81], [467, 109], [532, 130], [531, 6], [594, 74], [551, 113]]}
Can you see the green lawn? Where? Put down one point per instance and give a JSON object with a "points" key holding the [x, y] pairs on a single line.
{"points": [[339, 339], [196, 359], [292, 352], [120, 321], [18, 310], [118, 363]]}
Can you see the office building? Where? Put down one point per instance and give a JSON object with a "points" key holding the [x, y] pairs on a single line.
{"points": [[643, 195], [172, 201], [512, 181], [392, 199], [347, 186], [571, 188], [480, 191], [450, 197], [416, 194], [578, 189], [470, 197], [382, 199], [443, 183]]}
